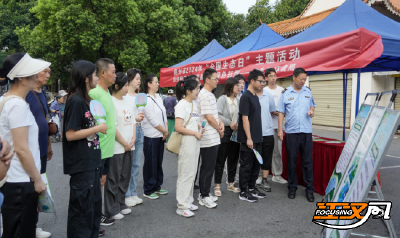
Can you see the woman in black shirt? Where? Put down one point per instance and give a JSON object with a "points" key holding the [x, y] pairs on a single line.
{"points": [[82, 155]]}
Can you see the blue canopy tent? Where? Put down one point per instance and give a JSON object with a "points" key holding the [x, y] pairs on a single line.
{"points": [[352, 15], [261, 38], [213, 48]]}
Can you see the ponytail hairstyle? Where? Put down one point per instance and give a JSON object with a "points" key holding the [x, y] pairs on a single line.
{"points": [[131, 73], [120, 80], [8, 64], [148, 79], [183, 86]]}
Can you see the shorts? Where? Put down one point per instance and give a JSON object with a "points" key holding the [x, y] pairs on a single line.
{"points": [[105, 166]]}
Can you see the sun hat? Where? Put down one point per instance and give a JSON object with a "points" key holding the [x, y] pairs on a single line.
{"points": [[27, 66], [62, 93]]}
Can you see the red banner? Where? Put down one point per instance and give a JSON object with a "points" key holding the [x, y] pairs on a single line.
{"points": [[353, 49]]}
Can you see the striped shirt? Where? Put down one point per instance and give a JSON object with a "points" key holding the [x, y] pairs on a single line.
{"points": [[207, 105]]}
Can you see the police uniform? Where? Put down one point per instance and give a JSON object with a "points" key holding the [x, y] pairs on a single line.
{"points": [[298, 128]]}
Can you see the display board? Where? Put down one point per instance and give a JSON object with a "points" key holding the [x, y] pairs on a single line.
{"points": [[348, 150], [364, 171]]}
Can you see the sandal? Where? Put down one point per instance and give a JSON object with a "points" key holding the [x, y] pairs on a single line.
{"points": [[232, 188], [218, 193]]}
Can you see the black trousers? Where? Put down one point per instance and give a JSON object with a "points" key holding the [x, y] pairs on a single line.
{"points": [[84, 210], [294, 143], [19, 210], [231, 151], [208, 160], [249, 166], [267, 151], [153, 176]]}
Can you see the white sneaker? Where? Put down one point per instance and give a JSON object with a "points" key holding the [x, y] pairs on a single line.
{"points": [[207, 202], [184, 213], [137, 199], [259, 180], [193, 207], [119, 216], [130, 202], [42, 234], [214, 198], [126, 211], [278, 179]]}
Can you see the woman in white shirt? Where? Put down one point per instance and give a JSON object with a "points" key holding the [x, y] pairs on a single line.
{"points": [[155, 129], [131, 196], [187, 123], [119, 175], [19, 128], [228, 111]]}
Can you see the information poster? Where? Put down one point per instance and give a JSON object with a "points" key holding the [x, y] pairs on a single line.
{"points": [[347, 152], [357, 158], [380, 143]]}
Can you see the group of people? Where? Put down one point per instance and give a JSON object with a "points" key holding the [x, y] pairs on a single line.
{"points": [[105, 158]]}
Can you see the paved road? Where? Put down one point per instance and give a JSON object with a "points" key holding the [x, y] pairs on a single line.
{"points": [[274, 216]]}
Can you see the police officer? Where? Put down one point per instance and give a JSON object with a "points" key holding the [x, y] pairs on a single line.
{"points": [[297, 104]]}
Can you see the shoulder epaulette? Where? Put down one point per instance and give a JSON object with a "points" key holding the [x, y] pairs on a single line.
{"points": [[308, 88], [284, 90]]}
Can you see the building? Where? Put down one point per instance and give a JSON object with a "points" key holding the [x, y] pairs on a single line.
{"points": [[330, 102]]}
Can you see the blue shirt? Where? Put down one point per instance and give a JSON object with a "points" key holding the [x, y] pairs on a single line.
{"points": [[267, 106], [296, 106], [169, 104], [62, 106], [55, 106], [40, 118]]}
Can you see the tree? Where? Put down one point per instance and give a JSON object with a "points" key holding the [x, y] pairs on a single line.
{"points": [[15, 14], [146, 34], [263, 11], [236, 30], [287, 9]]}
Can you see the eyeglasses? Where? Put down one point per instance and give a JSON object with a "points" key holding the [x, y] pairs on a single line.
{"points": [[262, 81], [216, 79]]}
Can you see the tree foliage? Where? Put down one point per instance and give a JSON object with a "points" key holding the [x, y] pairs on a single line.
{"points": [[15, 14]]}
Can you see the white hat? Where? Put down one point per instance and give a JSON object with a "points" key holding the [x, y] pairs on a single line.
{"points": [[27, 66], [62, 93], [170, 91]]}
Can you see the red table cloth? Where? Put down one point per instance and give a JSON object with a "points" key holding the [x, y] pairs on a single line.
{"points": [[325, 156]]}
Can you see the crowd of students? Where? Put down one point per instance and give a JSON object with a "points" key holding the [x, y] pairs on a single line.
{"points": [[106, 158]]}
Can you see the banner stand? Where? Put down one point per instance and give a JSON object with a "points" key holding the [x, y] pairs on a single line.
{"points": [[375, 189]]}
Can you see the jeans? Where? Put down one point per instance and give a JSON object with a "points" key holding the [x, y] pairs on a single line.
{"points": [[136, 163]]}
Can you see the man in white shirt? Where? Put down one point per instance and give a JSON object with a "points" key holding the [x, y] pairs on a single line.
{"points": [[276, 91], [209, 143]]}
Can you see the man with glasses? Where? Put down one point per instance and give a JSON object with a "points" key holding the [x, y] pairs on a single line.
{"points": [[276, 91], [297, 105], [267, 108], [250, 137], [209, 143]]}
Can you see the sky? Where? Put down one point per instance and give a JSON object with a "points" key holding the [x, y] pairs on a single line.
{"points": [[241, 6]]}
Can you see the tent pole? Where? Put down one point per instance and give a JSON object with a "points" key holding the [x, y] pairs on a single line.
{"points": [[344, 106], [358, 91]]}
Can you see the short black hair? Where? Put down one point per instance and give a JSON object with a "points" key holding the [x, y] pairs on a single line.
{"points": [[240, 77], [207, 73], [253, 75], [268, 71], [298, 71], [103, 63]]}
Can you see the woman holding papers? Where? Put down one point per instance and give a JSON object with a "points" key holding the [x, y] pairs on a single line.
{"points": [[131, 196], [121, 163], [18, 126], [82, 155], [187, 123]]}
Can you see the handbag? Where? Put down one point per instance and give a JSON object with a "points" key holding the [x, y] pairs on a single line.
{"points": [[175, 140], [170, 115], [53, 128], [2, 103]]}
